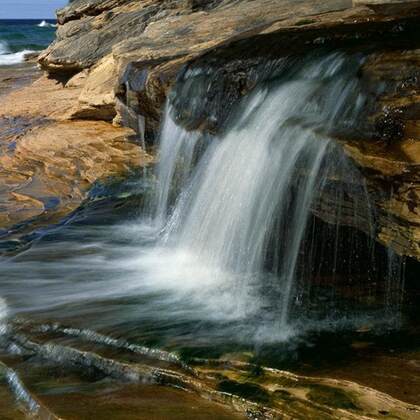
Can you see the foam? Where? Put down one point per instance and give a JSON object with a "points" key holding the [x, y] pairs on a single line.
{"points": [[45, 24], [13, 58]]}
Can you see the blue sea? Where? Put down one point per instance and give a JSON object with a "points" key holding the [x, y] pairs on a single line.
{"points": [[20, 37]]}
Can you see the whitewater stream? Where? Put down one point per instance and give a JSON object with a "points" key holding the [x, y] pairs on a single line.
{"points": [[213, 251]]}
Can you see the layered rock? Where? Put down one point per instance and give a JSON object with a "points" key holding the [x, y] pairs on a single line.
{"points": [[158, 37], [47, 162], [391, 159], [130, 54], [226, 387]]}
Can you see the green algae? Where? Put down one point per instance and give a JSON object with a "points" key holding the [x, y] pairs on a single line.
{"points": [[331, 397], [247, 390]]}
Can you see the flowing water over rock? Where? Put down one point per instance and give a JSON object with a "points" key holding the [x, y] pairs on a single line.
{"points": [[224, 255], [222, 238], [238, 225]]}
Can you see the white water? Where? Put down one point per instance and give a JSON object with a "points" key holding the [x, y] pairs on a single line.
{"points": [[45, 24], [222, 258], [217, 236], [8, 58], [4, 311], [4, 48], [21, 393], [14, 58], [175, 161]]}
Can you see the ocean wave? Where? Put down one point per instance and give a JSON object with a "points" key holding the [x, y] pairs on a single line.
{"points": [[10, 59], [45, 24], [4, 47]]}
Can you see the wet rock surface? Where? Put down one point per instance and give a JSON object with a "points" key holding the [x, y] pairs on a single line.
{"points": [[129, 55], [55, 370], [391, 159], [21, 75], [48, 162], [113, 65]]}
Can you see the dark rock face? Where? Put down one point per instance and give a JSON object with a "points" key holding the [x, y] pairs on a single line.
{"points": [[389, 126], [133, 52], [391, 160]]}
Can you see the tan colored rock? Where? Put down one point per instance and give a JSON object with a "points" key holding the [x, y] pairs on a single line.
{"points": [[164, 30], [78, 80], [395, 185], [21, 75], [392, 163], [59, 162], [160, 36], [45, 98], [47, 163], [145, 44], [97, 98], [305, 397], [390, 160]]}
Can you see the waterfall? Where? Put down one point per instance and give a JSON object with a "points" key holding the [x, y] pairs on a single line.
{"points": [[176, 154], [242, 186], [233, 209], [251, 232]]}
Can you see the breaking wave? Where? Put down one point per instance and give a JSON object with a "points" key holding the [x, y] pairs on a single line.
{"points": [[4, 48], [8, 58], [45, 24], [14, 58]]}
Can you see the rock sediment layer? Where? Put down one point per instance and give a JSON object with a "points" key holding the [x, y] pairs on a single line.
{"points": [[129, 54], [47, 162]]}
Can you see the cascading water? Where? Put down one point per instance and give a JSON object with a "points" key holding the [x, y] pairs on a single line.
{"points": [[252, 190], [226, 249], [254, 247], [175, 161]]}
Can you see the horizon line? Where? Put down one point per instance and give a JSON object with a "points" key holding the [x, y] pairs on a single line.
{"points": [[35, 18]]}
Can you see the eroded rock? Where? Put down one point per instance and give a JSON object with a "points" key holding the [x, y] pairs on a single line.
{"points": [[262, 393], [48, 163], [158, 37], [133, 53]]}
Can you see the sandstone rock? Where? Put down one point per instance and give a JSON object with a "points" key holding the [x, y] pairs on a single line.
{"points": [[44, 98], [52, 167], [158, 37], [380, 2], [166, 29], [134, 51], [47, 163], [392, 163], [21, 75], [272, 394], [80, 8], [97, 98]]}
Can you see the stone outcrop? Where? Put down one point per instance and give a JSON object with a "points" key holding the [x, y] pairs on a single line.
{"points": [[48, 163], [130, 53], [158, 37], [243, 389], [391, 159]]}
